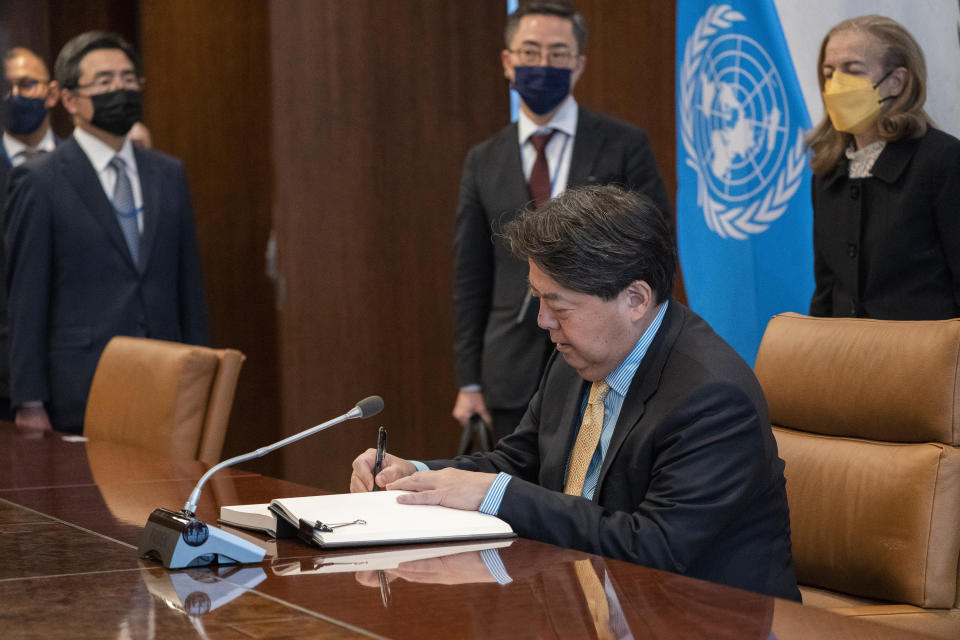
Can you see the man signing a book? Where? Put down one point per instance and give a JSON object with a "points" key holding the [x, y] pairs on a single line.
{"points": [[648, 439]]}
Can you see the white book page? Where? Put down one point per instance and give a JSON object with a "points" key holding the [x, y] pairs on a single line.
{"points": [[259, 510]]}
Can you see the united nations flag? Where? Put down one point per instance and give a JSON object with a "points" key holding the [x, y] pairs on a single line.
{"points": [[744, 219]]}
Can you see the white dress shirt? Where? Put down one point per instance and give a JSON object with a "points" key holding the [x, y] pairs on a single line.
{"points": [[558, 150], [16, 151]]}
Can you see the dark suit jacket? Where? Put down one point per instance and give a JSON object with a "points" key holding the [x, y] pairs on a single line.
{"points": [[888, 246], [691, 482], [73, 284], [492, 347], [5, 410]]}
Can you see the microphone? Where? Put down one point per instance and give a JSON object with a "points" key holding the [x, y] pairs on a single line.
{"points": [[177, 539]]}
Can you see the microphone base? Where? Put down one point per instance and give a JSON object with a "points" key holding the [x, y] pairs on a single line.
{"points": [[177, 541]]}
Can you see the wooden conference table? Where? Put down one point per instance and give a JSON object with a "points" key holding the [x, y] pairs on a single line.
{"points": [[71, 515]]}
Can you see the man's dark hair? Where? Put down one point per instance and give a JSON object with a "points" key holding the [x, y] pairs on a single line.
{"points": [[15, 52], [548, 8], [597, 240], [66, 70]]}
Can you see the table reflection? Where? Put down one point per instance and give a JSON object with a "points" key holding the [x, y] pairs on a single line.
{"points": [[517, 589], [197, 592]]}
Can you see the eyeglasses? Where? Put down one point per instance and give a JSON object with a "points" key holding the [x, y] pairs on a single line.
{"points": [[24, 86], [106, 80], [531, 56]]}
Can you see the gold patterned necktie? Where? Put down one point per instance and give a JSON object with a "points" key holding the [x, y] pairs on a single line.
{"points": [[596, 598], [587, 438]]}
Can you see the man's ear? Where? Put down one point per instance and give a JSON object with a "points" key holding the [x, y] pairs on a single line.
{"points": [[68, 100], [507, 65], [577, 71], [53, 95], [640, 298]]}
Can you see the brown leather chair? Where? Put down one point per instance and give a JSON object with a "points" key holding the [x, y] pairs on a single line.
{"points": [[167, 397], [867, 418]]}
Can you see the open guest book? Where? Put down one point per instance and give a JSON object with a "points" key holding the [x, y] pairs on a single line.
{"points": [[365, 519]]}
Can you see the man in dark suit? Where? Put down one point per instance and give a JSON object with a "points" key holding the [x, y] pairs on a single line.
{"points": [[648, 439], [500, 352], [100, 241], [28, 99]]}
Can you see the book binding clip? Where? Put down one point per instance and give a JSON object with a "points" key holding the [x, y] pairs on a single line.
{"points": [[308, 532]]}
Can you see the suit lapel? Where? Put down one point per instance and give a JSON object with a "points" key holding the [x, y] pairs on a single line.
{"points": [[587, 146], [150, 188], [645, 383], [561, 447], [508, 177], [76, 168]]}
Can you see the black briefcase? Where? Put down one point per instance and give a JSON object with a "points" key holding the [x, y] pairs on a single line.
{"points": [[477, 436]]}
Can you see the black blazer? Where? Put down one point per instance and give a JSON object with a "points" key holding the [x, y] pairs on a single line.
{"points": [[73, 284], [5, 411], [888, 246], [691, 482], [496, 345]]}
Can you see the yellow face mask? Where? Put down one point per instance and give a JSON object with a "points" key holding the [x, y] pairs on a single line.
{"points": [[852, 102]]}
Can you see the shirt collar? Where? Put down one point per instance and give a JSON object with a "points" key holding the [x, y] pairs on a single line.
{"points": [[621, 377], [14, 146], [100, 153], [565, 120]]}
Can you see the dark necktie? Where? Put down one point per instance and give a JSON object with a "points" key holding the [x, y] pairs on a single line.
{"points": [[540, 175], [125, 209]]}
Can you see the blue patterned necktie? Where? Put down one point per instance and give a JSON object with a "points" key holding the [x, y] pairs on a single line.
{"points": [[125, 209]]}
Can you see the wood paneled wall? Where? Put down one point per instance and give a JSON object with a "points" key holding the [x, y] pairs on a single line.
{"points": [[630, 70], [208, 103], [375, 105]]}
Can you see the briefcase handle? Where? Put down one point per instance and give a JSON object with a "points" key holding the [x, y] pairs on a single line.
{"points": [[476, 427]]}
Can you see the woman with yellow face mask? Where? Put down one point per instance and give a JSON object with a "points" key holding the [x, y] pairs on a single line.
{"points": [[886, 186]]}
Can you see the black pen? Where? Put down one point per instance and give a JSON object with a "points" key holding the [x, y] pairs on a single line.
{"points": [[381, 449]]}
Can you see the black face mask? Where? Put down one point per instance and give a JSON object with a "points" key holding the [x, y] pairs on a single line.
{"points": [[116, 111]]}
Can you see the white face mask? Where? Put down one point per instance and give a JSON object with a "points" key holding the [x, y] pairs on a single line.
{"points": [[853, 103]]}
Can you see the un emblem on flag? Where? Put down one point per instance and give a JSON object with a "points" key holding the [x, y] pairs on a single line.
{"points": [[735, 127]]}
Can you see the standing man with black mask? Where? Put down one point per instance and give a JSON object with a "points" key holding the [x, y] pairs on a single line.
{"points": [[99, 239], [29, 94], [500, 353]]}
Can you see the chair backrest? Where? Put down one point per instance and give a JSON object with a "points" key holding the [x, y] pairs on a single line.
{"points": [[867, 418], [167, 397]]}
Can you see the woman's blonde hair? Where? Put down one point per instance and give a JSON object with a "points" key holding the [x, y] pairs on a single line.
{"points": [[903, 117]]}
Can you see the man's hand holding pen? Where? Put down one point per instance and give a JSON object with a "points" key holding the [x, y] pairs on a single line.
{"points": [[448, 487], [393, 468]]}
